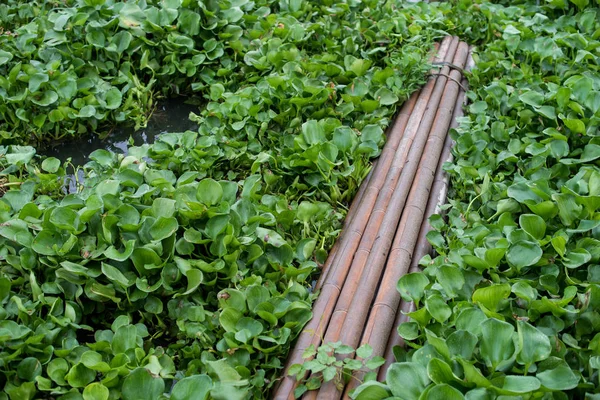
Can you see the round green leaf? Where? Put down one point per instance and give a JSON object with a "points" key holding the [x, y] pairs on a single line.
{"points": [[195, 387], [523, 254], [95, 391], [141, 384], [51, 164]]}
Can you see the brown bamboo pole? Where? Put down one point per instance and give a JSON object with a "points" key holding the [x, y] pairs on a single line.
{"points": [[379, 323], [370, 234], [349, 217], [338, 268], [423, 247], [385, 194], [375, 245], [338, 271]]}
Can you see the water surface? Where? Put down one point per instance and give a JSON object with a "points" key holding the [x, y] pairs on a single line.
{"points": [[170, 116]]}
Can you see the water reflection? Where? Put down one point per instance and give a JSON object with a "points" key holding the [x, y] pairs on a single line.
{"points": [[170, 116]]}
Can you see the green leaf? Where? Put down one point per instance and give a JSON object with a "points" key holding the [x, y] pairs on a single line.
{"points": [[443, 392], [209, 192], [163, 228], [5, 57], [524, 254], [533, 224], [407, 380], [113, 98], [36, 80], [45, 99], [555, 374], [491, 297], [51, 164], [496, 342], [521, 384], [196, 387], [80, 376], [437, 307], [534, 345], [313, 133], [412, 286], [532, 98], [141, 384], [95, 391]]}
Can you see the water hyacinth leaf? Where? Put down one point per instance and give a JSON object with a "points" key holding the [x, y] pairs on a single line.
{"points": [[29, 368], [5, 57], [407, 380], [371, 390], [141, 384], [51, 164], [491, 297], [576, 258], [524, 254], [534, 345], [438, 308], [533, 224], [36, 80], [439, 371], [113, 99], [117, 255], [45, 99], [443, 392], [520, 384], [555, 374], [412, 286], [96, 391], [313, 133], [80, 376], [115, 275], [17, 231], [209, 192], [163, 228], [462, 344], [195, 387], [496, 342]]}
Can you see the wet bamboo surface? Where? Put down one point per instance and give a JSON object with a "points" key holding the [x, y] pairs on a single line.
{"points": [[385, 227]]}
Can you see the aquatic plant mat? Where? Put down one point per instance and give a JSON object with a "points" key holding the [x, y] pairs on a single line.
{"points": [[384, 236]]}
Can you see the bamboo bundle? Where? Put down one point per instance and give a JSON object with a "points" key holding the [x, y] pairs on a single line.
{"points": [[437, 199], [338, 267], [374, 248], [341, 260], [379, 323], [372, 232]]}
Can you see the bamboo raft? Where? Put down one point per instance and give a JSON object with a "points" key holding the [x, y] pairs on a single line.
{"points": [[384, 235]]}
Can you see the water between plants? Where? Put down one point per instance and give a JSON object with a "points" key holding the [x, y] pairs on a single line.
{"points": [[170, 116]]}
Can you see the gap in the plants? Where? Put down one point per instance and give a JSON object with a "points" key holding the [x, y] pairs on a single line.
{"points": [[171, 115]]}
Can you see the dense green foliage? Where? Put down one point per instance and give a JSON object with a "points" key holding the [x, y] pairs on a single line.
{"points": [[183, 270], [510, 307], [66, 70]]}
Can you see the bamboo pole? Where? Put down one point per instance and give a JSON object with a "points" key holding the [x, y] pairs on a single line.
{"points": [[379, 323], [423, 247], [375, 245], [349, 217], [376, 218], [338, 270]]}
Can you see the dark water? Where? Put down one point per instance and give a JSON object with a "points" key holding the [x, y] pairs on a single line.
{"points": [[169, 116]]}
